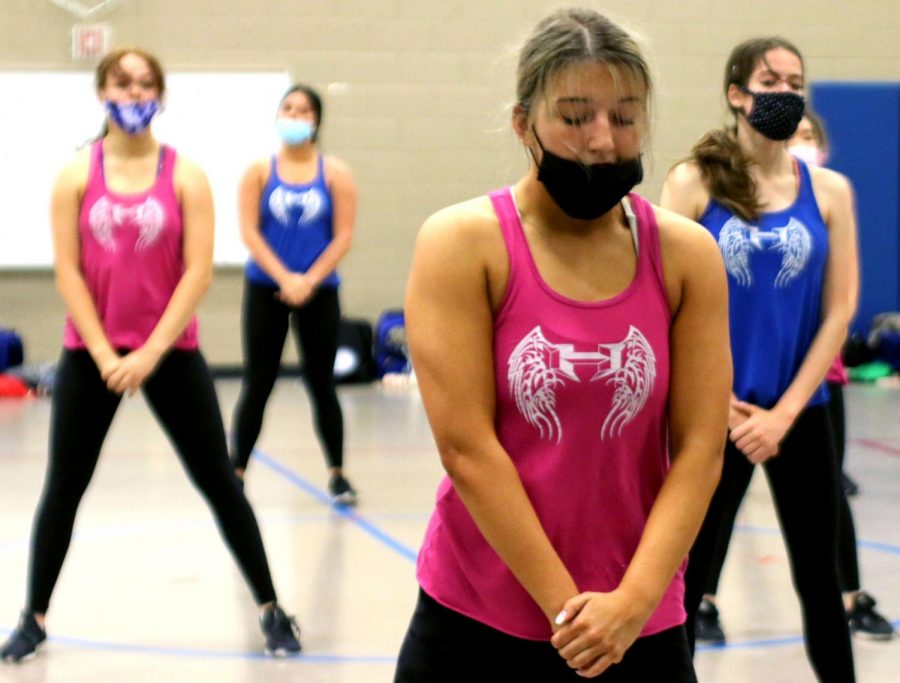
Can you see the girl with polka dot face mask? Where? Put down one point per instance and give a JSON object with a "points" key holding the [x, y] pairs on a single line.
{"points": [[777, 100], [786, 234]]}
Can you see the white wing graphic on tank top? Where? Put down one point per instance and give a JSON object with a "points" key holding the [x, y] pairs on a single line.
{"points": [[633, 380], [282, 201], [537, 368], [105, 216], [738, 240]]}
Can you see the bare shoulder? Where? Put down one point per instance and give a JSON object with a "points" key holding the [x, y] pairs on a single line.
{"points": [[830, 185], [74, 173], [469, 227], [681, 237], [188, 174], [685, 174], [335, 167], [690, 255], [684, 190]]}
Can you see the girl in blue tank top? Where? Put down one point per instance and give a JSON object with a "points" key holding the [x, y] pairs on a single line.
{"points": [[297, 211], [786, 233]]}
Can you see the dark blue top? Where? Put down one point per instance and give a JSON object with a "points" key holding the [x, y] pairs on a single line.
{"points": [[776, 269], [296, 222]]}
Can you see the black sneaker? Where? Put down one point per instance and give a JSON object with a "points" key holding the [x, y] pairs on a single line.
{"points": [[342, 493], [865, 621], [707, 627], [24, 641], [281, 632], [851, 488]]}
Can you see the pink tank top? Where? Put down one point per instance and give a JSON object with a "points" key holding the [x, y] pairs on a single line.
{"points": [[582, 395], [837, 373], [131, 255]]}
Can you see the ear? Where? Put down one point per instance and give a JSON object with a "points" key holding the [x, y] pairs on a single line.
{"points": [[520, 123], [736, 98]]}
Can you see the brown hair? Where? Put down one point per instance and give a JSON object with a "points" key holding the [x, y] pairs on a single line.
{"points": [[724, 166], [110, 65], [574, 36]]}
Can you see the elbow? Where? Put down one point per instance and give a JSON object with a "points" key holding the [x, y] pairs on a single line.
{"points": [[202, 277], [452, 456], [64, 276], [344, 243], [456, 459]]}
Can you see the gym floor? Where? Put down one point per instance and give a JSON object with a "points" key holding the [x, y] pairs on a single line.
{"points": [[149, 591]]}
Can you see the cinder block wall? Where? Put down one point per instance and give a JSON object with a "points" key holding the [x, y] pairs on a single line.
{"points": [[416, 94]]}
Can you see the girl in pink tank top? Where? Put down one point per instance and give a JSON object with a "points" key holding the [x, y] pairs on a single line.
{"points": [[574, 364], [133, 234]]}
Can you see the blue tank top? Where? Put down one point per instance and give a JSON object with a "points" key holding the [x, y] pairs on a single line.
{"points": [[296, 222], [776, 269]]}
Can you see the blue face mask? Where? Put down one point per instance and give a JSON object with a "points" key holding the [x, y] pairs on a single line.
{"points": [[132, 117], [294, 131]]}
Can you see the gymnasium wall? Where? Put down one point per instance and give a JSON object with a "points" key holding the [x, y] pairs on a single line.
{"points": [[416, 95]]}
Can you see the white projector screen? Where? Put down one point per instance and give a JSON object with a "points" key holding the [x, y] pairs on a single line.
{"points": [[220, 120]]}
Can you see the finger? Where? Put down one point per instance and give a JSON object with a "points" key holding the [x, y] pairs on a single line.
{"points": [[740, 431], [589, 656], [573, 606], [597, 667], [746, 407]]}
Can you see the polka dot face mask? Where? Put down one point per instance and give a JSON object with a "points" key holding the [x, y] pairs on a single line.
{"points": [[775, 114]]}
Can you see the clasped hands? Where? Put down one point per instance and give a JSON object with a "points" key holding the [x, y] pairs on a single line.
{"points": [[593, 630]]}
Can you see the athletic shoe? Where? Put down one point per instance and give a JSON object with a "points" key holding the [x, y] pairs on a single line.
{"points": [[866, 622], [342, 493], [707, 627], [281, 632], [24, 641], [851, 488]]}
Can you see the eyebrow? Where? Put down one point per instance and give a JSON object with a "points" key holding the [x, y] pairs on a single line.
{"points": [[789, 77], [585, 100]]}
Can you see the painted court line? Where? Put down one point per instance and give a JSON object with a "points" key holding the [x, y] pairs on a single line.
{"points": [[348, 513], [406, 552], [875, 445]]}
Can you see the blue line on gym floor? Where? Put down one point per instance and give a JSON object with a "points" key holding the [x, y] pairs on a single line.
{"points": [[401, 549]]}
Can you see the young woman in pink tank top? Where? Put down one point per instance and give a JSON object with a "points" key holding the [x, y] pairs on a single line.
{"points": [[133, 236], [574, 364]]}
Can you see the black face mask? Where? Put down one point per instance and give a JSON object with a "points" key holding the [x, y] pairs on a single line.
{"points": [[586, 191], [775, 114]]}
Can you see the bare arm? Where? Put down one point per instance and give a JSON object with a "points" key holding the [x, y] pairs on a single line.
{"points": [[343, 193], [450, 330], [199, 219], [249, 195], [64, 208], [607, 624], [761, 434], [684, 192]]}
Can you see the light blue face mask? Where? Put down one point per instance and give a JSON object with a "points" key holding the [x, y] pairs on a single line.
{"points": [[294, 131], [132, 117]]}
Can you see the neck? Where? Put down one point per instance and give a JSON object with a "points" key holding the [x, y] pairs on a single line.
{"points": [[537, 208], [769, 156], [304, 152], [116, 141]]}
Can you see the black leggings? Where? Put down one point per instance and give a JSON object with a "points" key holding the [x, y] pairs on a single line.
{"points": [[848, 561], [181, 395], [444, 646], [803, 480], [265, 324]]}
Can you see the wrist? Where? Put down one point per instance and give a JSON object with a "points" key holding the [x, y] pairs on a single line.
{"points": [[102, 354], [154, 349], [787, 410], [637, 595]]}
